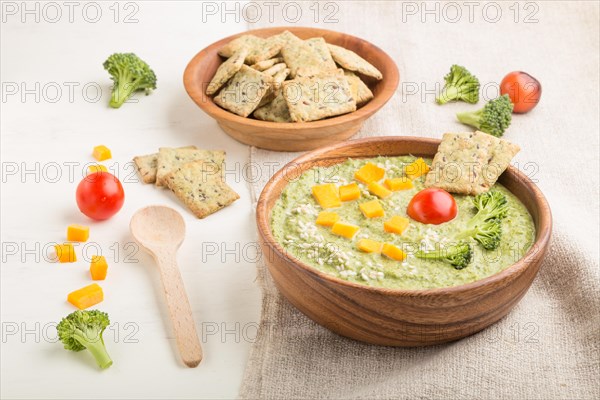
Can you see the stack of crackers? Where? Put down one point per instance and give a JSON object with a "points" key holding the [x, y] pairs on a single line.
{"points": [[194, 175], [469, 163], [286, 79]]}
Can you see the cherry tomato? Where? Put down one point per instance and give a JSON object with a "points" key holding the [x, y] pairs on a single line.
{"points": [[523, 89], [100, 195], [432, 206]]}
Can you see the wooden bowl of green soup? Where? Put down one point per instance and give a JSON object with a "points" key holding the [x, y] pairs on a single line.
{"points": [[375, 298]]}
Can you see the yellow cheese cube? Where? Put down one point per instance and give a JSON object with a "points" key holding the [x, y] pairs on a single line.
{"points": [[371, 209], [327, 218], [96, 168], [86, 296], [378, 190], [416, 169], [101, 153], [369, 173], [396, 224], [345, 230], [65, 252], [395, 184], [349, 192], [327, 195], [78, 233], [369, 246], [393, 252], [98, 268]]}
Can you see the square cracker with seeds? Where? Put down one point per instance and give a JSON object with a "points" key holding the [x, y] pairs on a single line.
{"points": [[226, 70], [244, 92], [259, 49], [147, 165], [360, 91], [275, 69], [469, 163], [275, 89], [319, 45], [319, 96], [200, 188], [284, 38], [298, 53], [275, 111], [351, 61], [170, 159], [263, 65]]}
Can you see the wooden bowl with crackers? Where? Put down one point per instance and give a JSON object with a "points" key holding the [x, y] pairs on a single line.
{"points": [[398, 317], [353, 87]]}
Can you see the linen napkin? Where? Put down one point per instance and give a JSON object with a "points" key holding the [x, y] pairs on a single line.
{"points": [[548, 347]]}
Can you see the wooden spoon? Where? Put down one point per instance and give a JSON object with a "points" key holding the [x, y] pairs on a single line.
{"points": [[161, 230]]}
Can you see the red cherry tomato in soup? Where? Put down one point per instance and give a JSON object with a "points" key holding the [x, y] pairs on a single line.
{"points": [[100, 195], [432, 206], [523, 89]]}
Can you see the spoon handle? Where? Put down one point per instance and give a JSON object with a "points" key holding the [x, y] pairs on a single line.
{"points": [[179, 310]]}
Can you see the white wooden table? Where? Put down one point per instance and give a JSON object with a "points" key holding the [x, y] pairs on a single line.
{"points": [[54, 111]]}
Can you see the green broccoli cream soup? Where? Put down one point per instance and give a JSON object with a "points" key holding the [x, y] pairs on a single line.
{"points": [[355, 243]]}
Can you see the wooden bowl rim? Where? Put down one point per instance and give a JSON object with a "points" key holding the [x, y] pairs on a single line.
{"points": [[541, 243], [196, 91]]}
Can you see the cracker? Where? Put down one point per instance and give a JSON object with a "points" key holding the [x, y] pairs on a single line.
{"points": [[226, 70], [319, 45], [248, 41], [317, 97], [284, 38], [259, 49], [297, 53], [275, 88], [266, 64], [200, 188], [360, 91], [147, 165], [275, 111], [275, 69], [469, 163], [502, 152], [169, 159], [279, 78], [244, 92], [351, 61]]}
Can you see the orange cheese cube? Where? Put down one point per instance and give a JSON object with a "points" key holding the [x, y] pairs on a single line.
{"points": [[97, 168], [78, 233], [86, 296], [395, 184], [416, 169], [349, 192], [396, 224], [326, 218], [393, 252], [101, 153], [65, 252], [378, 190], [327, 195], [346, 230], [369, 173], [98, 268], [371, 209], [369, 246]]}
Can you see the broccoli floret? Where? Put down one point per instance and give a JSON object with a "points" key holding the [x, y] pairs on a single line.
{"points": [[129, 74], [82, 330], [485, 227], [460, 85], [493, 118], [458, 255], [489, 205], [488, 234]]}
